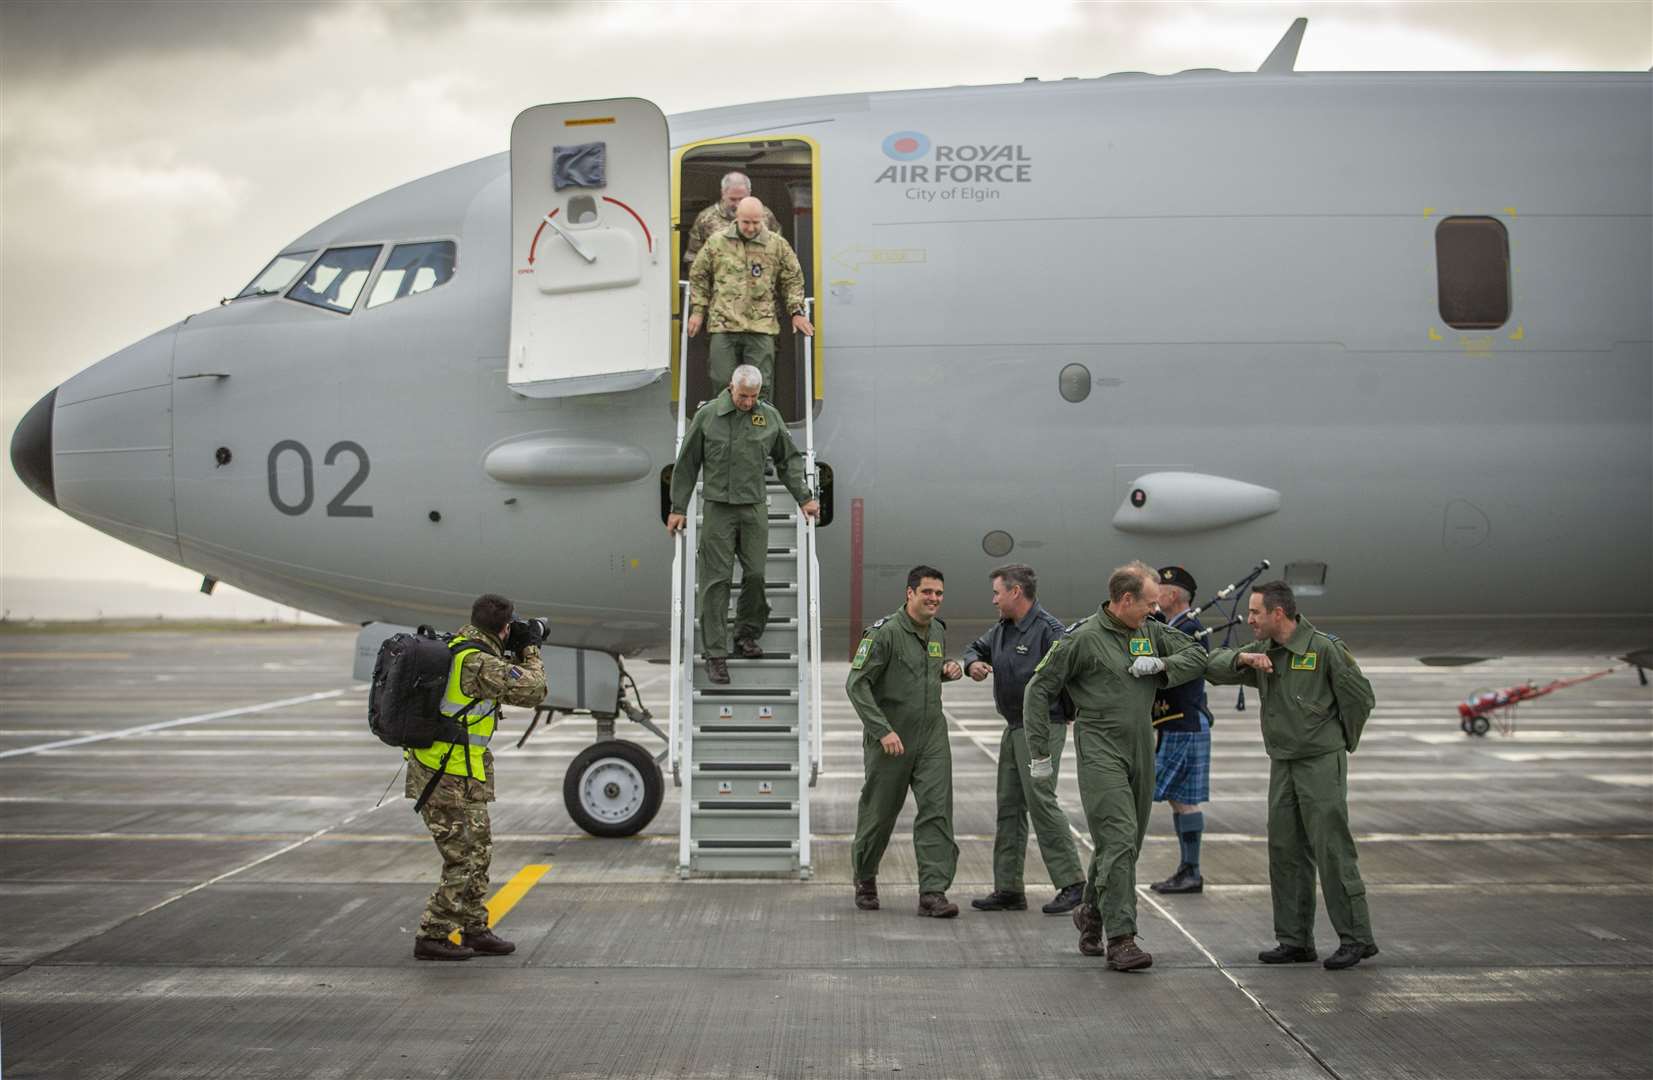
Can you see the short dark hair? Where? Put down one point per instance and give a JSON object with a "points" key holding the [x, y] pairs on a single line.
{"points": [[1129, 580], [1020, 575], [491, 611], [1277, 596], [920, 572]]}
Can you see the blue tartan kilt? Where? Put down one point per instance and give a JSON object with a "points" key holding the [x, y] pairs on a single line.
{"points": [[1182, 767]]}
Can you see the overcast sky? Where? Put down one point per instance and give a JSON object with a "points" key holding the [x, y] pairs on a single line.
{"points": [[154, 155]]}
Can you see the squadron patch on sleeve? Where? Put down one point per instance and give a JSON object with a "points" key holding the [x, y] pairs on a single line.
{"points": [[1053, 647], [514, 673], [861, 654]]}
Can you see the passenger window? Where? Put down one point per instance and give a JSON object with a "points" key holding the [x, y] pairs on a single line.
{"points": [[278, 275], [413, 268], [337, 278], [1472, 269]]}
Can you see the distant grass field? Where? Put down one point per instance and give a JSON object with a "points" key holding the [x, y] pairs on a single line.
{"points": [[171, 626]]}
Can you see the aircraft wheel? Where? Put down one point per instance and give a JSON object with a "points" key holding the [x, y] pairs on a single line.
{"points": [[613, 788], [1479, 725]]}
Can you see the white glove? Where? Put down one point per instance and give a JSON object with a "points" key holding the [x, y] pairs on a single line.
{"points": [[1147, 665], [1040, 768]]}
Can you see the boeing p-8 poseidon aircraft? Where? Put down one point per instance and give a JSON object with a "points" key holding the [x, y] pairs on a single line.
{"points": [[1393, 331]]}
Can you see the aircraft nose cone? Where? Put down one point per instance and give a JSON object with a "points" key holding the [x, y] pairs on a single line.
{"points": [[31, 448]]}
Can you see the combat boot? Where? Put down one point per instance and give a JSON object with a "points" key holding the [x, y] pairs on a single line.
{"points": [[1066, 900], [487, 943], [1288, 954], [1185, 880], [937, 906], [748, 648], [1347, 956], [866, 894], [1000, 900], [1088, 920], [717, 670], [1123, 954], [427, 948]]}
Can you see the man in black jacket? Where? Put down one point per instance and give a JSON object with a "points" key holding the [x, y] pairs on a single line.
{"points": [[1009, 652], [1182, 756]]}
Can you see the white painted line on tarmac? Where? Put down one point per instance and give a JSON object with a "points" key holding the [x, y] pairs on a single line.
{"points": [[162, 725], [1264, 1009]]}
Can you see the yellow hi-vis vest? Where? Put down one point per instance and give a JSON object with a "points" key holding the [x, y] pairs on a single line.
{"points": [[479, 725]]}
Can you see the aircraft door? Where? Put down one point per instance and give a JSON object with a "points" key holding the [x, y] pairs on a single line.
{"points": [[591, 270]]}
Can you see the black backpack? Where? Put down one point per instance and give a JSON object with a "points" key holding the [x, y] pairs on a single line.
{"points": [[410, 676]]}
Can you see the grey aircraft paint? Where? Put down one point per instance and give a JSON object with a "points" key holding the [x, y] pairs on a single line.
{"points": [[1234, 274]]}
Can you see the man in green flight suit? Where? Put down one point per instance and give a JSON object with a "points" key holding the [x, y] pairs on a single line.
{"points": [[895, 685], [481, 677], [732, 293], [729, 439], [1315, 702], [1110, 664]]}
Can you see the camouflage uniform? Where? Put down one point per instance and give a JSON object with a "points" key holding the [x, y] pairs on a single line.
{"points": [[457, 811], [732, 285], [710, 220]]}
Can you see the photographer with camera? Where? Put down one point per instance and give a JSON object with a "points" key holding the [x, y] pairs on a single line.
{"points": [[496, 661]]}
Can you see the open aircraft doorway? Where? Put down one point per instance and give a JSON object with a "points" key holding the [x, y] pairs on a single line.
{"points": [[785, 176]]}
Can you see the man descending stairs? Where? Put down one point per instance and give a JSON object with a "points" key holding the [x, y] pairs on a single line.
{"points": [[746, 739]]}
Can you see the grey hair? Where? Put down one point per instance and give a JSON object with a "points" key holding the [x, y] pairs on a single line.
{"points": [[1129, 580], [747, 376], [1019, 575], [731, 179]]}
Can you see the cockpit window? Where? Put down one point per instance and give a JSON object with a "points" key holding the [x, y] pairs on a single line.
{"points": [[337, 278], [413, 268], [278, 275]]}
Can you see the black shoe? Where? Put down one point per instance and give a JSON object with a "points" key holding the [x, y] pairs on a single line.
{"points": [[866, 894], [748, 648], [1347, 956], [717, 670], [486, 942], [427, 948], [1288, 954], [1186, 880], [999, 900], [1070, 897]]}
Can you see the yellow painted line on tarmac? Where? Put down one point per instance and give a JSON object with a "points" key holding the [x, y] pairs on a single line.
{"points": [[501, 903]]}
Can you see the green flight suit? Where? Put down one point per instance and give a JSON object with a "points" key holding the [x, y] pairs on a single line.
{"points": [[1314, 706], [730, 447], [1113, 740], [895, 685]]}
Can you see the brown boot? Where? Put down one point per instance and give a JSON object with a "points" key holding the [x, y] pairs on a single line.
{"points": [[1123, 955], [429, 948], [866, 894], [717, 670], [1088, 921], [487, 943], [937, 906], [748, 648]]}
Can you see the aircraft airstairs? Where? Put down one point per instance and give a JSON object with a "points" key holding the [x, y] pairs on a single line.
{"points": [[744, 756]]}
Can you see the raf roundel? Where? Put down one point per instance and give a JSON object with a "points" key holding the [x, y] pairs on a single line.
{"points": [[906, 145]]}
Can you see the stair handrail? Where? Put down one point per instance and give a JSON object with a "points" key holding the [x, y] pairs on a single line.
{"points": [[680, 555], [813, 566]]}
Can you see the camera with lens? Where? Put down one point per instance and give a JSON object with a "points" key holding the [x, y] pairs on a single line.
{"points": [[526, 632]]}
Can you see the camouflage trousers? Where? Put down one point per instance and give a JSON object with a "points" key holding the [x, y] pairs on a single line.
{"points": [[465, 839]]}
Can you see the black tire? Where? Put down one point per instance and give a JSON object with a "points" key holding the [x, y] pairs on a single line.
{"points": [[613, 788], [1479, 725]]}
